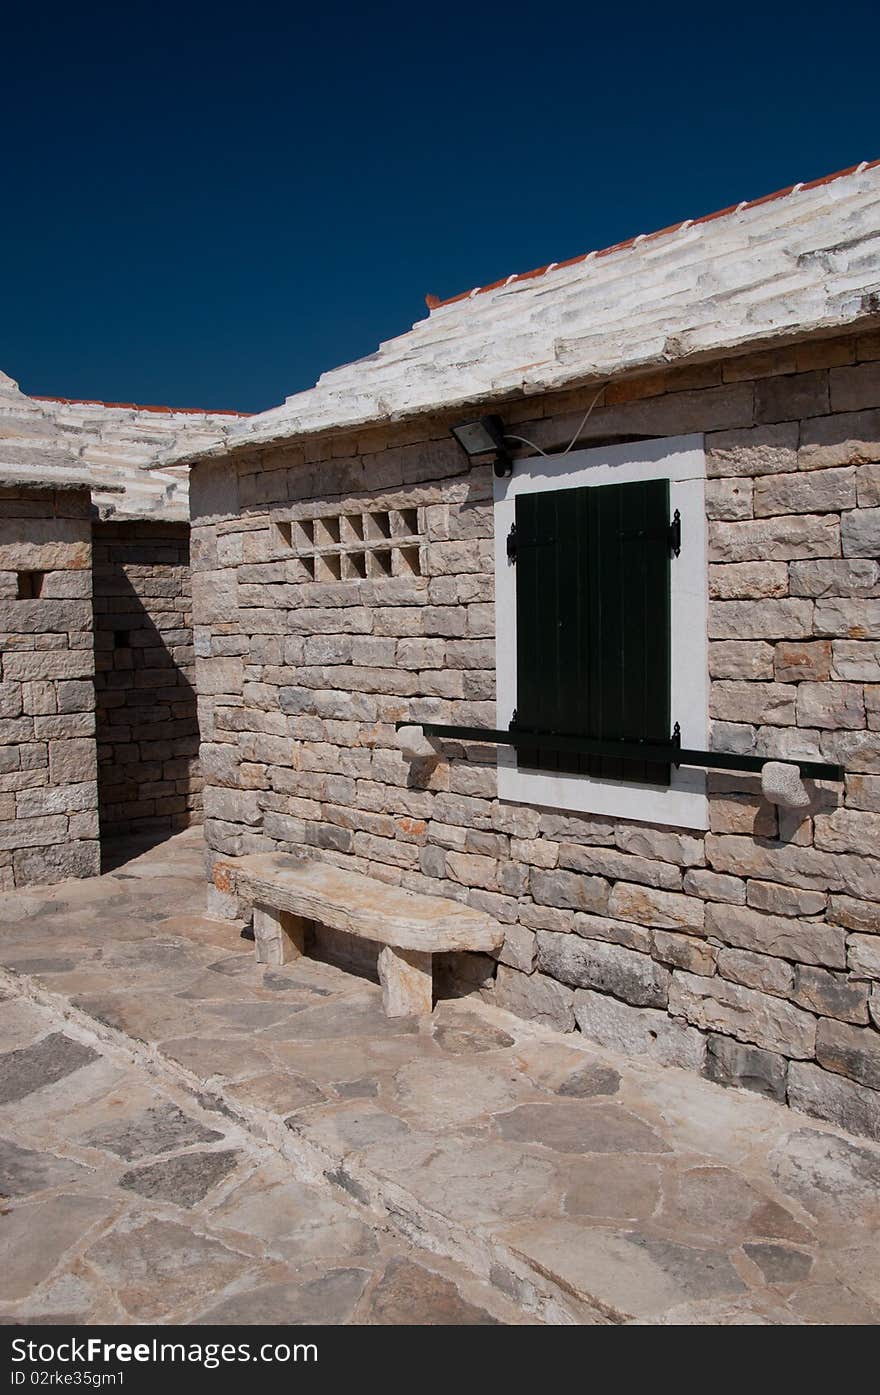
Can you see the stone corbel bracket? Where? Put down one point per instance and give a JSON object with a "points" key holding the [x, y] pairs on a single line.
{"points": [[415, 745], [781, 784]]}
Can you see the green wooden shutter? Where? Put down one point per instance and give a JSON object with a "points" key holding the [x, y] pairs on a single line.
{"points": [[592, 615]]}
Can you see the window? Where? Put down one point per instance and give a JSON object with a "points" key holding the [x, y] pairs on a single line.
{"points": [[30, 585], [601, 627], [350, 547]]}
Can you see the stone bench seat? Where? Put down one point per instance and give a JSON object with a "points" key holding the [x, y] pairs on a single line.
{"points": [[287, 893]]}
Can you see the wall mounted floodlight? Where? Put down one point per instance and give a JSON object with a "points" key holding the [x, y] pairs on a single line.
{"points": [[485, 436]]}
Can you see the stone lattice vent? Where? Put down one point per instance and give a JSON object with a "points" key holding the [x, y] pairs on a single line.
{"points": [[377, 544]]}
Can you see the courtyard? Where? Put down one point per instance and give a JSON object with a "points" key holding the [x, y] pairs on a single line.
{"points": [[190, 1137]]}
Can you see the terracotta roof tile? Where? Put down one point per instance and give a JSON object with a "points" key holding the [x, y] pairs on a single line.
{"points": [[140, 407], [434, 302]]}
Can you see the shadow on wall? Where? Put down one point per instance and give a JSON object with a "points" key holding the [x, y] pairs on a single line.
{"points": [[146, 722]]}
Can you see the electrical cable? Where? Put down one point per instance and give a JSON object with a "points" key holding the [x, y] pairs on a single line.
{"points": [[509, 437]]}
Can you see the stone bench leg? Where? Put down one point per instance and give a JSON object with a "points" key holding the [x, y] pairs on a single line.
{"points": [[278, 935], [406, 978]]}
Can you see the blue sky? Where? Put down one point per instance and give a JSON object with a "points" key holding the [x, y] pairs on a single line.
{"points": [[209, 206]]}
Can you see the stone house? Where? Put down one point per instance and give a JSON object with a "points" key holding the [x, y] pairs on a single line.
{"points": [[354, 569], [98, 731]]}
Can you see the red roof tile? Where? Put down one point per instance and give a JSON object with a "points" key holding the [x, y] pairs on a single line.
{"points": [[141, 407], [434, 302]]}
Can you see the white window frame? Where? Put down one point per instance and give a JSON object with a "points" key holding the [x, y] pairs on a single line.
{"points": [[682, 461]]}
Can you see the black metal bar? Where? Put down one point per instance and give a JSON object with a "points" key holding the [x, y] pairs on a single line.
{"points": [[624, 750]]}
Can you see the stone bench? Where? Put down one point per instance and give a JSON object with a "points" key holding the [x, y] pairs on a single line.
{"points": [[287, 893]]}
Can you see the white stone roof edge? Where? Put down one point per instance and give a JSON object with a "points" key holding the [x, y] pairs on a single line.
{"points": [[50, 442], [803, 262]]}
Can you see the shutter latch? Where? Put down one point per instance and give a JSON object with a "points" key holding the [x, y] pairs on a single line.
{"points": [[511, 543]]}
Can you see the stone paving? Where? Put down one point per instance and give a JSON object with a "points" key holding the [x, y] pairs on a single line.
{"points": [[128, 1201], [192, 1137]]}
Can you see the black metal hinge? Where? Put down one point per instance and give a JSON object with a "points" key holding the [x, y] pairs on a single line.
{"points": [[671, 535], [515, 544]]}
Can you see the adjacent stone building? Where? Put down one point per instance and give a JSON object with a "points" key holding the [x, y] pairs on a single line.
{"points": [[98, 730], [355, 569]]}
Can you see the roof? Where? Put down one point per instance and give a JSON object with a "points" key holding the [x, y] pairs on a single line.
{"points": [[800, 261], [11, 478], [141, 407], [65, 442]]}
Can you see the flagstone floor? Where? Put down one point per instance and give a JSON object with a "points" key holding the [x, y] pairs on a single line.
{"points": [[186, 1136]]}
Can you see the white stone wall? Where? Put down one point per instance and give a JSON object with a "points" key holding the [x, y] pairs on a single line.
{"points": [[751, 953], [48, 774]]}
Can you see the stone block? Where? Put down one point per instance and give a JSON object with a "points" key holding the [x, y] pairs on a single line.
{"points": [[519, 949], [814, 491], [742, 814], [846, 438], [232, 805], [755, 450], [642, 841], [761, 971], [713, 1004], [732, 1063], [857, 751], [830, 995], [729, 498], [569, 890], [618, 932], [848, 618], [214, 676], [535, 997], [835, 577], [683, 952], [854, 387], [779, 899], [752, 703], [860, 533], [715, 886], [848, 831], [72, 762], [635, 1031], [849, 1050], [869, 487], [802, 941], [854, 914], [23, 666], [863, 954], [40, 617], [748, 580], [831, 706], [45, 544], [75, 696], [612, 968], [775, 539], [835, 1099], [795, 662], [56, 799], [56, 862], [616, 865], [772, 619], [863, 792], [792, 397], [661, 910], [749, 659], [854, 660]]}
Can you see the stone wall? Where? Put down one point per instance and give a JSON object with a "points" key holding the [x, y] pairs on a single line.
{"points": [[147, 729], [48, 789], [751, 953]]}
